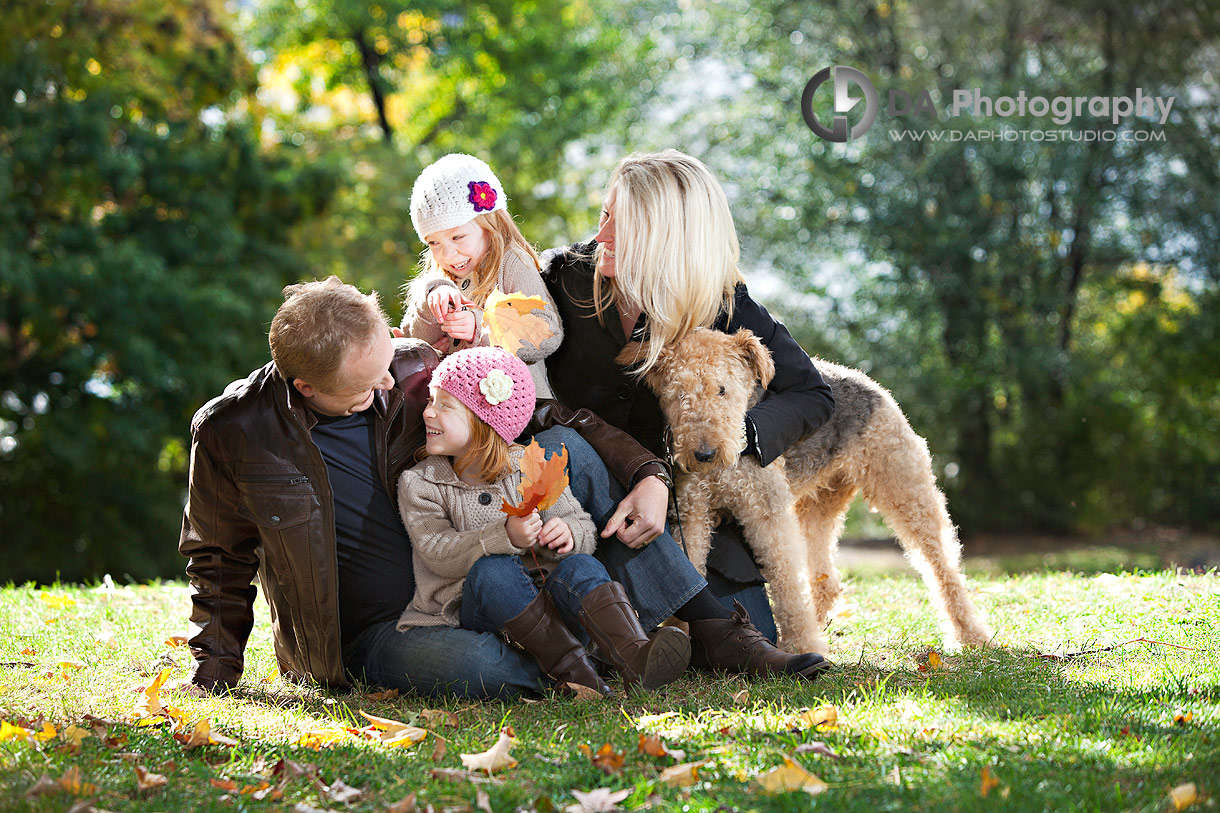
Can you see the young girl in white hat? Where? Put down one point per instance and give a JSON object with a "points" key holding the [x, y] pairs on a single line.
{"points": [[460, 212]]}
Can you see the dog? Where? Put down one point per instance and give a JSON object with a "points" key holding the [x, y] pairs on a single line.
{"points": [[793, 510]]}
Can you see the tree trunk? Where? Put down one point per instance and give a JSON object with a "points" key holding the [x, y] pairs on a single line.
{"points": [[370, 59]]}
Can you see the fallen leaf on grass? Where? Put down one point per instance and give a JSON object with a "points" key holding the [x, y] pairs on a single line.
{"points": [[149, 704], [598, 800], [494, 758], [930, 661], [482, 801], [823, 718], [404, 805], [342, 792], [683, 775], [655, 747], [57, 601], [146, 780], [605, 758], [510, 323], [72, 783], [316, 738], [790, 776], [202, 734], [1184, 796], [74, 735], [819, 748], [29, 651], [1181, 717], [391, 733], [176, 640], [388, 694], [224, 784], [43, 786], [742, 697], [543, 480], [439, 750], [987, 782]]}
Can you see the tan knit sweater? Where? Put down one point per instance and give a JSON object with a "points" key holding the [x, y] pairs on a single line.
{"points": [[517, 274], [451, 528]]}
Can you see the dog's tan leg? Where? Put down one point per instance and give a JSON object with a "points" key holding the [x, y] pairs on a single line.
{"points": [[912, 505], [695, 513], [762, 502], [821, 517]]}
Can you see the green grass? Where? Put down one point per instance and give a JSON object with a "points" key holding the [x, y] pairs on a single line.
{"points": [[1095, 732]]}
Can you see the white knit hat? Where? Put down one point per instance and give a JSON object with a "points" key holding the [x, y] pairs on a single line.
{"points": [[451, 191]]}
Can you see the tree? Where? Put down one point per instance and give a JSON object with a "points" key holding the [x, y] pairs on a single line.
{"points": [[141, 251]]}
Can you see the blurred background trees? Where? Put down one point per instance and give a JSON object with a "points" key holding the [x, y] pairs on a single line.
{"points": [[1045, 312]]}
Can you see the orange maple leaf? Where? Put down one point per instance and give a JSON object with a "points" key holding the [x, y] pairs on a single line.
{"points": [[542, 480], [510, 322]]}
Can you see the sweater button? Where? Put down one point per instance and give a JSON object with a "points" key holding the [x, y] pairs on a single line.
{"points": [[275, 520], [624, 392], [484, 499]]}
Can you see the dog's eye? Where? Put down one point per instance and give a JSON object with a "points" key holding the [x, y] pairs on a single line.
{"points": [[721, 390]]}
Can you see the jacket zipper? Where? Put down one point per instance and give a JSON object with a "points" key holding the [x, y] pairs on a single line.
{"points": [[274, 478]]}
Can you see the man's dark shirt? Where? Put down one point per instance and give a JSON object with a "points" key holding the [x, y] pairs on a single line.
{"points": [[376, 581]]}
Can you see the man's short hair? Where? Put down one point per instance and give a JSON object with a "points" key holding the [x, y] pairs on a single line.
{"points": [[317, 325]]}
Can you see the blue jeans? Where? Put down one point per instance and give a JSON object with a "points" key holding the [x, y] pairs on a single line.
{"points": [[498, 588], [442, 661], [659, 578]]}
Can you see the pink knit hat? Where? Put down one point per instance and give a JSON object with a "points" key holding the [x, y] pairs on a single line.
{"points": [[493, 383]]}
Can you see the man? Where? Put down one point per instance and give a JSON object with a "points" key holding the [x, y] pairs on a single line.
{"points": [[293, 477]]}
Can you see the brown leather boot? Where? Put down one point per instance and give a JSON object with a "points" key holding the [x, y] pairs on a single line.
{"points": [[540, 631], [736, 645], [642, 661]]}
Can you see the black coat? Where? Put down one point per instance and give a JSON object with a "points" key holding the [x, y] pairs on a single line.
{"points": [[583, 372]]}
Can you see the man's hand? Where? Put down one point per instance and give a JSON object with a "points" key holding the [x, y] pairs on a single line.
{"points": [[443, 299], [523, 531], [557, 536], [640, 517]]}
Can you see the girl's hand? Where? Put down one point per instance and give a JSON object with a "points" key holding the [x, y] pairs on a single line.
{"points": [[443, 299], [523, 531], [557, 536], [460, 325]]}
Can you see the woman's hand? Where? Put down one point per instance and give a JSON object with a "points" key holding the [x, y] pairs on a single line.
{"points": [[460, 325], [640, 517], [523, 531], [557, 536], [443, 299]]}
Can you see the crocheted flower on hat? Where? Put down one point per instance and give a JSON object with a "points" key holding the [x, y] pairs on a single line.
{"points": [[496, 386], [482, 196]]}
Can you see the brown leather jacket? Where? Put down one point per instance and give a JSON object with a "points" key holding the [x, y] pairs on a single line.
{"points": [[260, 503]]}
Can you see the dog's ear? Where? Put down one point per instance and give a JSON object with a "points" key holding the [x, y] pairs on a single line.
{"points": [[756, 357]]}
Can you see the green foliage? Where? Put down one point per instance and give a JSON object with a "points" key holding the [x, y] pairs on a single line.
{"points": [[960, 272], [141, 252]]}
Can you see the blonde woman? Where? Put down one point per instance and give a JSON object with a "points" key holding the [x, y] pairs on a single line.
{"points": [[664, 262]]}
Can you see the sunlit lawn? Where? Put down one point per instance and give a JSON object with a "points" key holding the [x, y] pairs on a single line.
{"points": [[1001, 728]]}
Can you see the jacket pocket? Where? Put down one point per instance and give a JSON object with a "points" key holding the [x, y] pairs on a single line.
{"points": [[277, 512]]}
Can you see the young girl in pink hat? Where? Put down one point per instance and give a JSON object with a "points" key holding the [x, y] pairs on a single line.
{"points": [[532, 577], [472, 246]]}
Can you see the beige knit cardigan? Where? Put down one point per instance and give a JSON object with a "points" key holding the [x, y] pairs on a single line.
{"points": [[517, 274], [451, 528]]}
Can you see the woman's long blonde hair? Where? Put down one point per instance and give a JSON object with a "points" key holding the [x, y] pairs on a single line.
{"points": [[502, 236], [676, 248]]}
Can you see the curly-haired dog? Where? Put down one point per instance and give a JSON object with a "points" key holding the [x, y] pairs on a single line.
{"points": [[793, 510]]}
